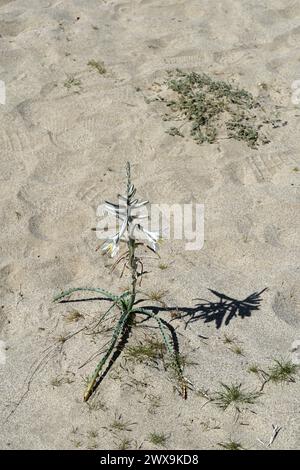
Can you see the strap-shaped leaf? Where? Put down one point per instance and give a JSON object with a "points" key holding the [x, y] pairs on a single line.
{"points": [[118, 329], [87, 289]]}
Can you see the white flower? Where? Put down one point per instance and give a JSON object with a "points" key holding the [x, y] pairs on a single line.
{"points": [[152, 237], [111, 246], [126, 213]]}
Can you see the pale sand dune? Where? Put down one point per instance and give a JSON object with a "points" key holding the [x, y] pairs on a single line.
{"points": [[63, 151]]}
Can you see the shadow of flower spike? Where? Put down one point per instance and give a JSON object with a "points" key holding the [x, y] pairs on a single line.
{"points": [[217, 311]]}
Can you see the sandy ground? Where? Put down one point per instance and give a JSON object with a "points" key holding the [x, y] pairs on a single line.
{"points": [[66, 132]]}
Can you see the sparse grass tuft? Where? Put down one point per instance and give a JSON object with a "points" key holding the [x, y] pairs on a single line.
{"points": [[76, 444], [209, 425], [158, 439], [231, 445], [157, 295], [124, 444], [58, 381], [154, 403], [73, 317], [228, 339], [237, 350], [254, 369], [234, 395], [92, 445], [93, 434], [96, 405], [232, 341], [99, 66], [119, 425], [151, 349], [282, 371], [62, 339]]}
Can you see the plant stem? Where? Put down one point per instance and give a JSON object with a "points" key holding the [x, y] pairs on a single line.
{"points": [[131, 248], [133, 267]]}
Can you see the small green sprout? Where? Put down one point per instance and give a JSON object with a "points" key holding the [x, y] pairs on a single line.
{"points": [[72, 82], [163, 266], [99, 66]]}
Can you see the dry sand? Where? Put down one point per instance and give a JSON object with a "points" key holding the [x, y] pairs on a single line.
{"points": [[63, 151]]}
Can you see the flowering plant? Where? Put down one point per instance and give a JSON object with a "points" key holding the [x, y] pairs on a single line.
{"points": [[130, 229]]}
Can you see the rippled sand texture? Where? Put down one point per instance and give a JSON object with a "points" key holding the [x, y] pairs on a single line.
{"points": [[65, 133]]}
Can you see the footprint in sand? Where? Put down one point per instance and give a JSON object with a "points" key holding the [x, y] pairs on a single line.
{"points": [[295, 349], [285, 307]]}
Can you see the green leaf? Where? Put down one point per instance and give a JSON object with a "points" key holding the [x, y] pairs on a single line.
{"points": [[86, 289]]}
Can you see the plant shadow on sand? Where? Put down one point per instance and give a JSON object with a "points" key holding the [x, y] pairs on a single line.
{"points": [[224, 310]]}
